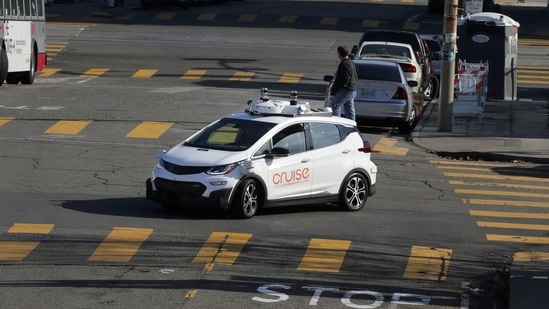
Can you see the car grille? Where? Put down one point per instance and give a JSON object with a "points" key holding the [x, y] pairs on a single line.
{"points": [[193, 189], [184, 170]]}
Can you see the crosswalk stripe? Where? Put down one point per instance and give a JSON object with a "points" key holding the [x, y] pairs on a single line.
{"points": [[508, 225], [498, 177], [530, 256], [497, 185], [504, 203], [501, 193], [387, 146], [290, 78], [144, 73], [207, 16], [507, 214], [428, 263], [324, 255], [68, 127], [120, 245], [94, 72], [247, 17], [11, 250], [242, 76], [47, 72], [149, 129], [193, 74], [519, 239], [165, 16], [222, 248]]}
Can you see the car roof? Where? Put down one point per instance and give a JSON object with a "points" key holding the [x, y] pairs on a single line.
{"points": [[386, 43], [375, 62]]}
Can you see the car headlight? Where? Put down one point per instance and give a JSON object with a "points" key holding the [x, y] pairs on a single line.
{"points": [[222, 169], [160, 163]]}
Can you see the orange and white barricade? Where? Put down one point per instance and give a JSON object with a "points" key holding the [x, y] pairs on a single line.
{"points": [[471, 88]]}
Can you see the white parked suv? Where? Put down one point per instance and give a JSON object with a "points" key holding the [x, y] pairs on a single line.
{"points": [[275, 153]]}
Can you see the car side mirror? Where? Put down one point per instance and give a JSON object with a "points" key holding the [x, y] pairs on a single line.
{"points": [[279, 152], [328, 78]]}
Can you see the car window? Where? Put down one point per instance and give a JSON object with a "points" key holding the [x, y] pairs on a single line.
{"points": [[291, 138], [433, 45], [378, 72], [380, 50], [230, 134], [324, 134]]}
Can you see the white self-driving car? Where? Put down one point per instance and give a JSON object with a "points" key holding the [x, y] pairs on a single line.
{"points": [[275, 153]]}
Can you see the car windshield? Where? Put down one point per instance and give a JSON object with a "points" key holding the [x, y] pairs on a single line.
{"points": [[385, 51], [433, 45], [230, 134], [371, 71]]}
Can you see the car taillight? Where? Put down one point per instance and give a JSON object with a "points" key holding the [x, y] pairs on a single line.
{"points": [[401, 94], [408, 67], [366, 148]]}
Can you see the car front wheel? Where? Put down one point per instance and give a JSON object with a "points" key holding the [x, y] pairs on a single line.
{"points": [[354, 193], [246, 201]]}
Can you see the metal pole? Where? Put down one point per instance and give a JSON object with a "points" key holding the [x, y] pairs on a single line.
{"points": [[449, 36]]}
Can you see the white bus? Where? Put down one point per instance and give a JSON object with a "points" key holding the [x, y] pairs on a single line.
{"points": [[23, 40]]}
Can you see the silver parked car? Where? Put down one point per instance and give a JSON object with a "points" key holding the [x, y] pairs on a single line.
{"points": [[384, 96]]}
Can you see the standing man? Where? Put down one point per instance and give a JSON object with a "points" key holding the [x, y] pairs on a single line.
{"points": [[343, 90]]}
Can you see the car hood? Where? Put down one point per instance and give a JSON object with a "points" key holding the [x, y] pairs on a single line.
{"points": [[193, 156]]}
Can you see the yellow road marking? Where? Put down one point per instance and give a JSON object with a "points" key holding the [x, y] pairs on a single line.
{"points": [[120, 245], [30, 228], [468, 163], [408, 25], [68, 127], [463, 168], [127, 16], [193, 74], [4, 120], [329, 21], [507, 225], [370, 23], [495, 184], [505, 214], [247, 17], [428, 263], [501, 193], [520, 239], [222, 248], [165, 16], [18, 250], [505, 203], [149, 129], [94, 72], [207, 16], [288, 19], [324, 255], [47, 72], [532, 256], [498, 177], [144, 73], [242, 76], [290, 78], [387, 146]]}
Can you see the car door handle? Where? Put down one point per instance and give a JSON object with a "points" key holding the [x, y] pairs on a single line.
{"points": [[305, 160], [346, 151]]}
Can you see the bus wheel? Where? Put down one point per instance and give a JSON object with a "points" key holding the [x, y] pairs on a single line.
{"points": [[12, 78], [27, 78], [3, 65]]}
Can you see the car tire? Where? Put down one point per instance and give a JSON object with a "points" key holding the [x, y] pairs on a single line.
{"points": [[13, 78], [3, 65], [27, 78], [354, 192], [429, 91], [246, 200]]}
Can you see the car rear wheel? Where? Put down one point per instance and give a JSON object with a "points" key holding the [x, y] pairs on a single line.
{"points": [[429, 91], [354, 192], [246, 201]]}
